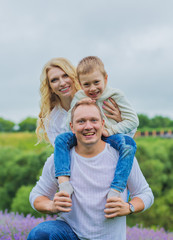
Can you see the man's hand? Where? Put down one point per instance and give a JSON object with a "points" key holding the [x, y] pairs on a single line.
{"points": [[116, 207], [61, 202], [113, 110]]}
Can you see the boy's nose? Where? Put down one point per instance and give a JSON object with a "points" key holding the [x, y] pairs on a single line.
{"points": [[93, 88]]}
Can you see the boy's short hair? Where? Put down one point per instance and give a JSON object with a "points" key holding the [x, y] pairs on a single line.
{"points": [[90, 64]]}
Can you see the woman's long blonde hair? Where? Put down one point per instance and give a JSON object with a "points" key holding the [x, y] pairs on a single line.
{"points": [[49, 99]]}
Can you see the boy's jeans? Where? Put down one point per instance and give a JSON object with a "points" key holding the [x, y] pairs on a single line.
{"points": [[123, 143]]}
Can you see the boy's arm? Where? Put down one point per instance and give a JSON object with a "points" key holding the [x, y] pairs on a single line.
{"points": [[129, 117]]}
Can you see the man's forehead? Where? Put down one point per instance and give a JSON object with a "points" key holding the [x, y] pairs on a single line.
{"points": [[86, 111]]}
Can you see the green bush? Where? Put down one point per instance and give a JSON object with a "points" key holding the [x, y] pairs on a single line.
{"points": [[155, 157], [6, 125], [21, 202], [28, 124], [18, 168]]}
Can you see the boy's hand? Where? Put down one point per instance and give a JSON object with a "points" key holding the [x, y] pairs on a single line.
{"points": [[87, 99], [113, 110], [105, 133]]}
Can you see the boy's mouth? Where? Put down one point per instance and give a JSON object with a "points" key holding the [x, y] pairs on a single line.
{"points": [[94, 95]]}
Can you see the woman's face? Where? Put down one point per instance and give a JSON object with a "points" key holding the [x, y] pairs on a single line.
{"points": [[61, 84]]}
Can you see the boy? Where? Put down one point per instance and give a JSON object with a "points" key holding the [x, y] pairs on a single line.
{"points": [[93, 80]]}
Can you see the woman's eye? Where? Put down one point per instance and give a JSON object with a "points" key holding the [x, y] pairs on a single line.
{"points": [[54, 80], [65, 75]]}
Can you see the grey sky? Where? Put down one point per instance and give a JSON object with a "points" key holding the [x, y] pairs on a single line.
{"points": [[133, 38]]}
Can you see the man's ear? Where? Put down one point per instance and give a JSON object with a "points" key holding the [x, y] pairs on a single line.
{"points": [[71, 126], [103, 123]]}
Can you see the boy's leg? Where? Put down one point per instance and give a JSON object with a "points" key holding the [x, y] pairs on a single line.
{"points": [[63, 143], [52, 230], [127, 148]]}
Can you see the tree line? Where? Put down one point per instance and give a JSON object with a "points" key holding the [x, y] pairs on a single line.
{"points": [[29, 124]]}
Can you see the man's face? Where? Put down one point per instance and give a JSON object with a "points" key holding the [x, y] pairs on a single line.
{"points": [[87, 125], [93, 84]]}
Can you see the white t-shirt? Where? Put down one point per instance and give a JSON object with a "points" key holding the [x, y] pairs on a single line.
{"points": [[56, 123], [91, 179]]}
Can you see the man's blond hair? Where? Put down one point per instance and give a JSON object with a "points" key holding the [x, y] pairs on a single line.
{"points": [[84, 103]]}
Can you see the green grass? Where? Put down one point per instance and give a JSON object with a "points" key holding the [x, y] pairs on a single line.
{"points": [[154, 129], [23, 141], [28, 141]]}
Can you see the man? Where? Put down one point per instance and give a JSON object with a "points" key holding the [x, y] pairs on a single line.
{"points": [[88, 215]]}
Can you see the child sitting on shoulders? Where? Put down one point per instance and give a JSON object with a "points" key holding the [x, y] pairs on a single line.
{"points": [[93, 80]]}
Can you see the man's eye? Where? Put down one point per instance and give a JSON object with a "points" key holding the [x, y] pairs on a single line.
{"points": [[81, 121], [94, 120]]}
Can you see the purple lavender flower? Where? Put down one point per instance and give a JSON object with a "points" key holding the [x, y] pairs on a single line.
{"points": [[139, 233], [17, 227]]}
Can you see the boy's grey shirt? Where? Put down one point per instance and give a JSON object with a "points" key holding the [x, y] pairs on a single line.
{"points": [[129, 117]]}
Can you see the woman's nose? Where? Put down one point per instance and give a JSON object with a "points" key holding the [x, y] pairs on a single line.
{"points": [[62, 82]]}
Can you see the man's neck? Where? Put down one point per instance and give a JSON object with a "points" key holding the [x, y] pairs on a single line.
{"points": [[90, 150]]}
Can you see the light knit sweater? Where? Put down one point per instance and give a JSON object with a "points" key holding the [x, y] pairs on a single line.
{"points": [[129, 117]]}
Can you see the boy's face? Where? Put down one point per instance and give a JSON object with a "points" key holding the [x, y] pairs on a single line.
{"points": [[93, 84]]}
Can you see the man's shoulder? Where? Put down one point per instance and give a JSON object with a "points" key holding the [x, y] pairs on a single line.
{"points": [[112, 151], [49, 164]]}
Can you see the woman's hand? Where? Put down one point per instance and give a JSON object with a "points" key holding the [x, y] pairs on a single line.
{"points": [[113, 110]]}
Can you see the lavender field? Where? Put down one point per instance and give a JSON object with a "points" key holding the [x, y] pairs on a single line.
{"points": [[16, 227]]}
